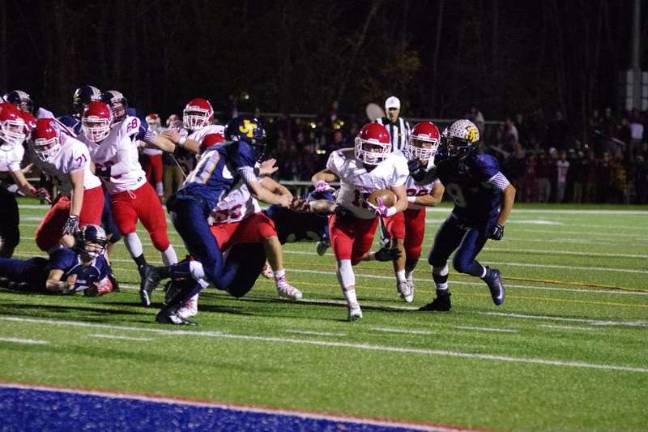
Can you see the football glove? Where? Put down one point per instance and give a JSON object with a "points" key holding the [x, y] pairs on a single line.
{"points": [[43, 194], [417, 171], [71, 225], [497, 232], [387, 253], [380, 209]]}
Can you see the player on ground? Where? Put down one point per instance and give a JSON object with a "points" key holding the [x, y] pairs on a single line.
{"points": [[113, 150], [66, 160], [483, 200], [83, 268], [368, 167], [13, 132]]}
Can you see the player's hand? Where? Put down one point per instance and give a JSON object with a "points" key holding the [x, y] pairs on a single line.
{"points": [[69, 286], [43, 194], [171, 134], [268, 167], [285, 200], [71, 225], [387, 253], [380, 209], [299, 205], [497, 232], [322, 186], [417, 170]]}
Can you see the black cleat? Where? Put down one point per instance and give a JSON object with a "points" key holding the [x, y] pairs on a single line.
{"points": [[440, 304], [493, 279], [150, 280], [165, 316]]}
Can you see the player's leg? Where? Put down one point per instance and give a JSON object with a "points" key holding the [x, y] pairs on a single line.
{"points": [[150, 212], [342, 244], [108, 223], [447, 239], [49, 232], [92, 208], [465, 262], [24, 275], [414, 234], [395, 227], [9, 232]]}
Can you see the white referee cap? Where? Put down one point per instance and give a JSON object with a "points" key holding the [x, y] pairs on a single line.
{"points": [[392, 102]]}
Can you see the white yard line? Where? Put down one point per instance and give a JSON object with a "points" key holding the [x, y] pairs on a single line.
{"points": [[314, 333], [603, 323], [23, 341], [488, 329], [403, 331], [350, 345], [107, 336], [566, 327]]}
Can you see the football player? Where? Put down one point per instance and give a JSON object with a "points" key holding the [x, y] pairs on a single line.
{"points": [[152, 157], [218, 171], [80, 203], [114, 151], [13, 131], [483, 199], [66, 271], [368, 167], [80, 99]]}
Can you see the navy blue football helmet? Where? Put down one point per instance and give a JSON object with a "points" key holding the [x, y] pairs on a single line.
{"points": [[118, 104], [91, 240], [248, 130], [21, 99], [83, 96]]}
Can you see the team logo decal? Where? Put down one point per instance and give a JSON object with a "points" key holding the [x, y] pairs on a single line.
{"points": [[248, 128], [471, 133]]}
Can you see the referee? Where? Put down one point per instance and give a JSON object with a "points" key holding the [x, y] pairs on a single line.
{"points": [[399, 128]]}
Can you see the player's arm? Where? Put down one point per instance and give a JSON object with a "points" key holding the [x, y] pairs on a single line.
{"points": [[432, 199], [275, 187], [172, 139], [401, 197], [26, 188], [77, 179], [54, 282], [325, 175], [508, 198]]}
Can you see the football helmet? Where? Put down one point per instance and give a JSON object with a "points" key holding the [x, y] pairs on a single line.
{"points": [[423, 142], [197, 114], [373, 144], [83, 96], [173, 122], [96, 121], [248, 130], [91, 240], [117, 102], [210, 140], [30, 123], [154, 122], [461, 138], [21, 99], [12, 126], [46, 139]]}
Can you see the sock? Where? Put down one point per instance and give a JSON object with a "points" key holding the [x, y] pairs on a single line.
{"points": [[350, 296], [140, 261], [278, 274], [410, 264], [400, 276], [484, 272], [169, 256], [440, 276], [133, 244], [197, 271], [345, 274]]}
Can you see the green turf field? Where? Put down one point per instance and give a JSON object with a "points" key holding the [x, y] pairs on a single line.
{"points": [[567, 351]]}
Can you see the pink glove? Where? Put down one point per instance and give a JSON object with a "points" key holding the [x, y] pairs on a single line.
{"points": [[322, 186], [381, 209]]}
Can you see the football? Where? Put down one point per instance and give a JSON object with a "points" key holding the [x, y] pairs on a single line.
{"points": [[388, 197]]}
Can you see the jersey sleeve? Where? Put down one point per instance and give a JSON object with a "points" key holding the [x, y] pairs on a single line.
{"points": [[335, 163], [401, 172], [62, 259], [241, 158], [485, 167]]}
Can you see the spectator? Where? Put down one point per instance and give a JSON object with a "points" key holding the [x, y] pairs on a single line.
{"points": [[577, 174], [590, 174], [636, 135], [398, 128], [562, 167], [543, 182], [508, 136]]}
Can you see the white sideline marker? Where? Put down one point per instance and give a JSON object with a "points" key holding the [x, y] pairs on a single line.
{"points": [[350, 345], [23, 341]]}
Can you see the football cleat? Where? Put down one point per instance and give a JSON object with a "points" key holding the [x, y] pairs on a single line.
{"points": [[441, 303], [355, 312], [493, 279], [406, 291], [321, 247], [150, 280], [410, 280], [167, 317], [267, 271], [189, 309], [287, 291]]}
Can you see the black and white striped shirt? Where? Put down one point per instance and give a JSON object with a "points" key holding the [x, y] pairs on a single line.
{"points": [[399, 131]]}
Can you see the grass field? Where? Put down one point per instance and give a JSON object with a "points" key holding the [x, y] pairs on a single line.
{"points": [[567, 351]]}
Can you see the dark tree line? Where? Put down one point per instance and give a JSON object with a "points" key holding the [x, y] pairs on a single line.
{"points": [[439, 56]]}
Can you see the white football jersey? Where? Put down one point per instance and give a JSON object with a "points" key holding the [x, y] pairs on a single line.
{"points": [[211, 129], [237, 205], [73, 156], [414, 189], [152, 151], [356, 183], [10, 157], [116, 158]]}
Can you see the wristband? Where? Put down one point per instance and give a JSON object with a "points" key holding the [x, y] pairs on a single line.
{"points": [[182, 141], [411, 199]]}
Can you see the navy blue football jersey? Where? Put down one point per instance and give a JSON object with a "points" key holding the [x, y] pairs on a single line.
{"points": [[477, 201], [68, 260]]}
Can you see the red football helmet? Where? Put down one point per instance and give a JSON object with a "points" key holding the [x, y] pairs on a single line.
{"points": [[96, 121], [30, 123], [154, 122], [373, 144], [210, 141], [197, 114], [46, 139], [173, 122], [12, 125], [423, 142]]}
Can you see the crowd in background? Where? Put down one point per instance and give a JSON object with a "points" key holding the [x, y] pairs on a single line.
{"points": [[546, 160]]}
